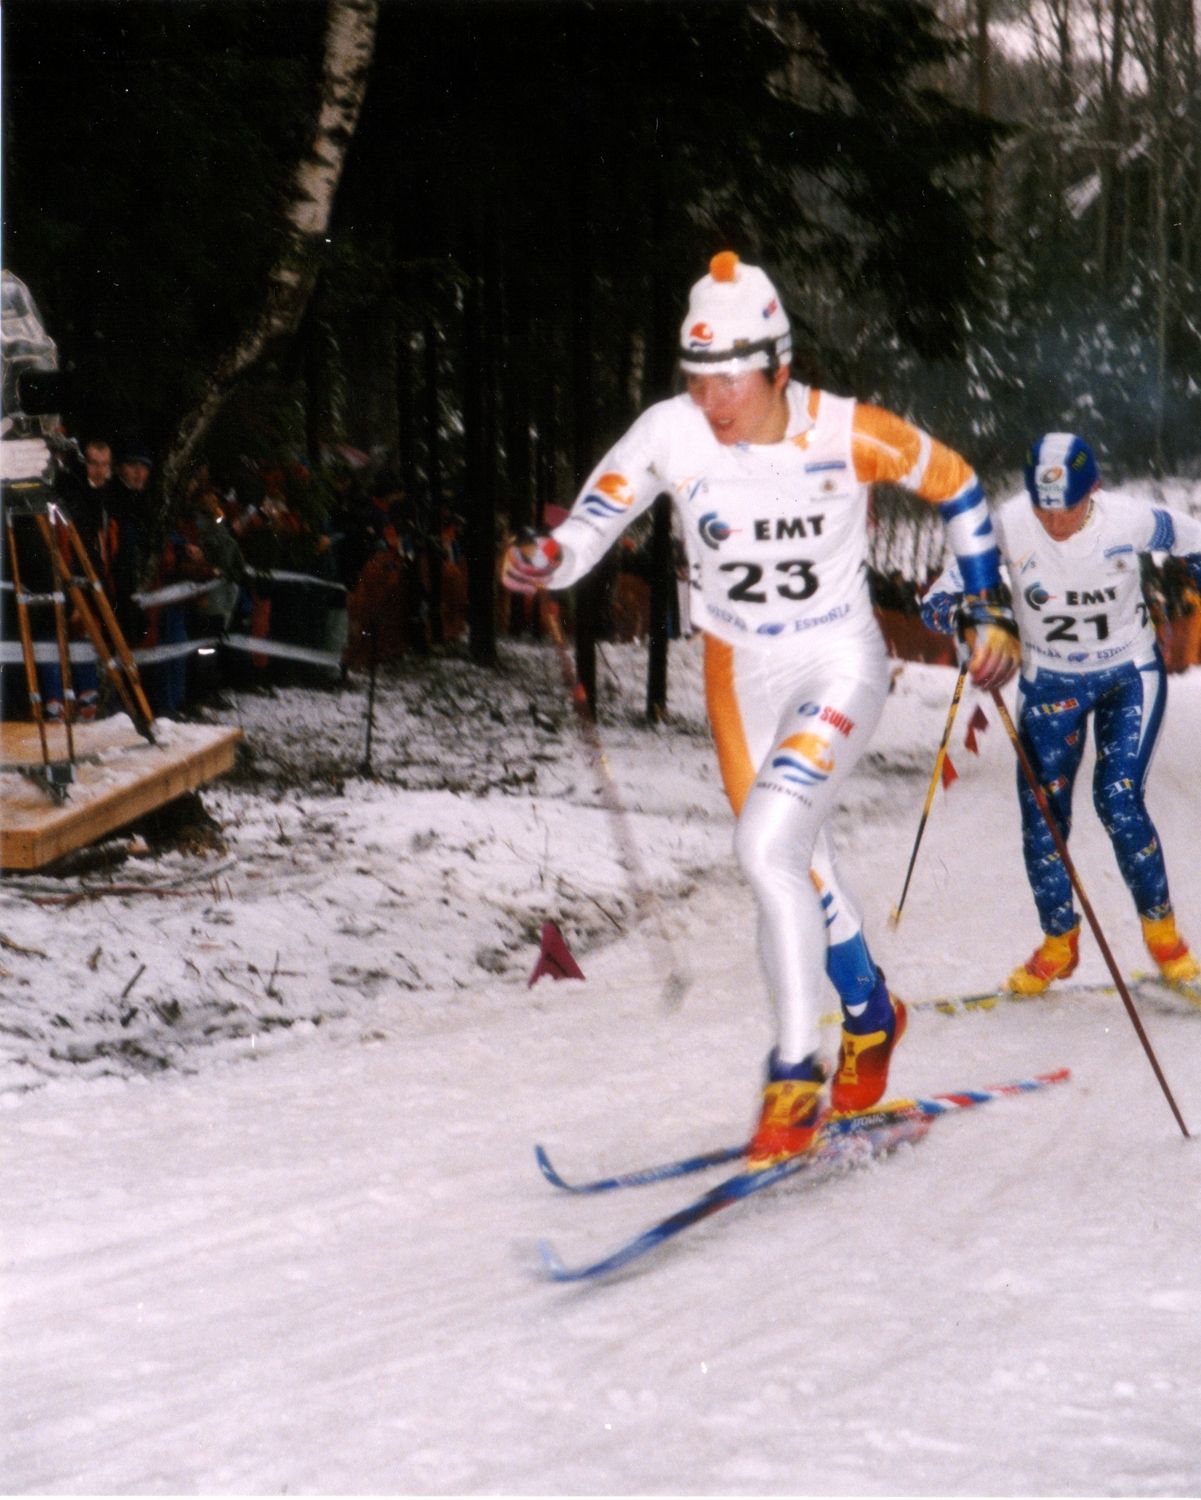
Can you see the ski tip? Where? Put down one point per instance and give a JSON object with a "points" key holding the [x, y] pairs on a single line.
{"points": [[548, 1171], [552, 1263]]}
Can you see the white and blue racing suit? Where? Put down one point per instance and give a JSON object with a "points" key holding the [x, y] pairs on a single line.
{"points": [[1088, 649]]}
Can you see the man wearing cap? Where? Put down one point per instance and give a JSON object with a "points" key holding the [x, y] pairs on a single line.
{"points": [[770, 481], [1072, 552]]}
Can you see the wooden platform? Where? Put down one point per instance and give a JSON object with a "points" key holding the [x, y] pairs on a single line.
{"points": [[119, 777]]}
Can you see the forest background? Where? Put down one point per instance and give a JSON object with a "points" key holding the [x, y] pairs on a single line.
{"points": [[985, 214]]}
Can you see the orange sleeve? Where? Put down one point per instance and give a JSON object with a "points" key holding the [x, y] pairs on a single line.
{"points": [[889, 450]]}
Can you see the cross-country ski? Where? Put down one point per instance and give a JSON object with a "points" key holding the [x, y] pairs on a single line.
{"points": [[833, 1154]]}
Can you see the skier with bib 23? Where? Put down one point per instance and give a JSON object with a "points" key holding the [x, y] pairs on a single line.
{"points": [[770, 481]]}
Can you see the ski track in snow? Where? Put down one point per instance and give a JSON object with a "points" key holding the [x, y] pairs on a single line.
{"points": [[296, 1250]]}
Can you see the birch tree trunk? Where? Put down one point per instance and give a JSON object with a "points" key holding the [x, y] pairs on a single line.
{"points": [[349, 44]]}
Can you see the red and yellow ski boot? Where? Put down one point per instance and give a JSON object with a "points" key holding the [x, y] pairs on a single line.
{"points": [[863, 1058], [1054, 958], [792, 1112], [1169, 950]]}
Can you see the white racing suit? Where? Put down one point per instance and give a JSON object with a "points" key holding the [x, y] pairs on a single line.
{"points": [[795, 665]]}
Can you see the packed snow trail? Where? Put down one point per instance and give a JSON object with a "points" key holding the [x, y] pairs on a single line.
{"points": [[317, 1271]]}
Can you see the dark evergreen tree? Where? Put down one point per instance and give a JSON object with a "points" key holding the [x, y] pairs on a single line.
{"points": [[147, 149]]}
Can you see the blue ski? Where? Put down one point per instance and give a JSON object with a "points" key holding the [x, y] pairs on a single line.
{"points": [[838, 1151]]}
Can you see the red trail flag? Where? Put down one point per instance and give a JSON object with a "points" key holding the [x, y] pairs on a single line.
{"points": [[554, 957], [977, 724]]}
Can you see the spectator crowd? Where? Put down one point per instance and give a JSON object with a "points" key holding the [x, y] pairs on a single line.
{"points": [[277, 569]]}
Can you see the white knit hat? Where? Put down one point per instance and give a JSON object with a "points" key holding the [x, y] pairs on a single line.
{"points": [[734, 320]]}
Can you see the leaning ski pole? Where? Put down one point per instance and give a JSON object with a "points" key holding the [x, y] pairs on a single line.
{"points": [[1044, 807], [939, 759], [678, 978]]}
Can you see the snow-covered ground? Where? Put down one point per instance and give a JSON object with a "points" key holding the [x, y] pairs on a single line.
{"points": [[268, 1109]]}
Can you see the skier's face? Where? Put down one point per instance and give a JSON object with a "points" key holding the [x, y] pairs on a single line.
{"points": [[1061, 524], [747, 407]]}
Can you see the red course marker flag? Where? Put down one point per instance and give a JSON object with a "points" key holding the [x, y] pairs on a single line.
{"points": [[977, 724], [554, 957]]}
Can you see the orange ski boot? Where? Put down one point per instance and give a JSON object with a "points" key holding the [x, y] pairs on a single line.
{"points": [[1169, 950], [1054, 958], [792, 1112]]}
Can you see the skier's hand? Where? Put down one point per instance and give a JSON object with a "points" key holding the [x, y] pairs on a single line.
{"points": [[987, 626], [529, 563]]}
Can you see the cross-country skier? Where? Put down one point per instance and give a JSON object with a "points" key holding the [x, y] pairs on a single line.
{"points": [[770, 479], [1072, 552]]}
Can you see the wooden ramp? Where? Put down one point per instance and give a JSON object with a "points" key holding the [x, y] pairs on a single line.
{"points": [[119, 777]]}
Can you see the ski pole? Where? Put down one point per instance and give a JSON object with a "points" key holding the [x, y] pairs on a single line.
{"points": [[1044, 807], [895, 917], [366, 768], [678, 978]]}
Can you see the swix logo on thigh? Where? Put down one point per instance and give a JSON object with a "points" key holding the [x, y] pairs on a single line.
{"points": [[827, 715], [837, 720]]}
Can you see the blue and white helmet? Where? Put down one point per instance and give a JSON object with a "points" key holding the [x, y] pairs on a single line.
{"points": [[1060, 471]]}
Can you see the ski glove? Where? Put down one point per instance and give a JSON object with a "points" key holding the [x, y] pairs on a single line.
{"points": [[986, 623], [529, 563], [940, 612]]}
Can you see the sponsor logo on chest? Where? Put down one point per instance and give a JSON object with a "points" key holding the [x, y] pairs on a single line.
{"points": [[1090, 596], [782, 528]]}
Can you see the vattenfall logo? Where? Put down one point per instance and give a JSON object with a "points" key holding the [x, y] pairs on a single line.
{"points": [[611, 495]]}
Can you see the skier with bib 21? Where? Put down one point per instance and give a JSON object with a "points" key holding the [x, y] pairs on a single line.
{"points": [[1072, 552]]}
